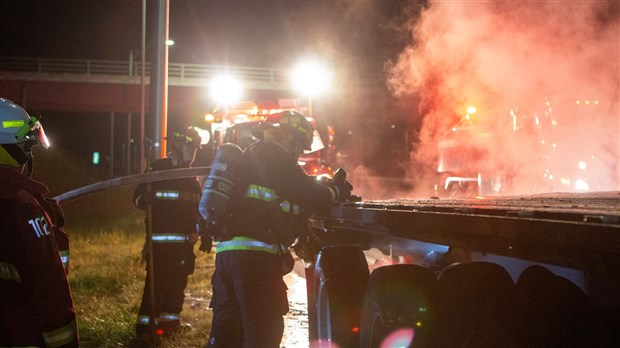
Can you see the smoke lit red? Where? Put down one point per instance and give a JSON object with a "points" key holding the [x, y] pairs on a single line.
{"points": [[543, 77]]}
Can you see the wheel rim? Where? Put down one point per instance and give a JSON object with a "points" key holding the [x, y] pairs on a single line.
{"points": [[323, 317], [377, 330]]}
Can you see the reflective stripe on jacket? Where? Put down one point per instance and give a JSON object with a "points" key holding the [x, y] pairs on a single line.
{"points": [[268, 195], [169, 238], [249, 244], [64, 257], [174, 195]]}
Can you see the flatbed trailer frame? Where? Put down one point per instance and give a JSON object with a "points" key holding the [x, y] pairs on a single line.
{"points": [[576, 231], [576, 236]]}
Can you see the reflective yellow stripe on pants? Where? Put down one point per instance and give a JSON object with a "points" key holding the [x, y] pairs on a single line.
{"points": [[245, 243]]}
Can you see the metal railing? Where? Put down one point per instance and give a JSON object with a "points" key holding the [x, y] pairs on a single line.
{"points": [[177, 71]]}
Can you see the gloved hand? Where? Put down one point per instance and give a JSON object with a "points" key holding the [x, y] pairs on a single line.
{"points": [[308, 246], [206, 241]]}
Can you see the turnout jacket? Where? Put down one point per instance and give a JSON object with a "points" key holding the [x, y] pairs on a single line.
{"points": [[36, 305], [278, 196], [174, 215]]}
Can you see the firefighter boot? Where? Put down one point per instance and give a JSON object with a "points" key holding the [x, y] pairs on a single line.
{"points": [[144, 337], [172, 327]]}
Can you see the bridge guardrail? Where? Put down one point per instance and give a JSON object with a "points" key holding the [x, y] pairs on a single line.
{"points": [[125, 68], [180, 74]]}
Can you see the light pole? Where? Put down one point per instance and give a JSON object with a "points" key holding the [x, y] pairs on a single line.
{"points": [[310, 79], [142, 92]]}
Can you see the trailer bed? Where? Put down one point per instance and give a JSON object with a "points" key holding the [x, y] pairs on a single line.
{"points": [[579, 231]]}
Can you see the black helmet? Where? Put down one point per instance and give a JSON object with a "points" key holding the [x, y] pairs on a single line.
{"points": [[296, 124], [187, 136]]}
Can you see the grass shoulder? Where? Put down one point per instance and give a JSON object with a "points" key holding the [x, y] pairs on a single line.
{"points": [[107, 276]]}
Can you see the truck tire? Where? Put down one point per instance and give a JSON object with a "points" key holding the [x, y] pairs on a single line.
{"points": [[397, 307], [340, 277], [475, 302]]}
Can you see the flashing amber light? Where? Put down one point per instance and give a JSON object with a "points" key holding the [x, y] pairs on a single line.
{"points": [[581, 185], [587, 102], [355, 329], [209, 118], [582, 165], [418, 324]]}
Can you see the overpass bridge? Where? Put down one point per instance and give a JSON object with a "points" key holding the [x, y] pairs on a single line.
{"points": [[74, 85], [112, 89]]}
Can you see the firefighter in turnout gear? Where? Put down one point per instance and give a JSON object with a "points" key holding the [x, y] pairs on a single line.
{"points": [[36, 305], [174, 220], [252, 255]]}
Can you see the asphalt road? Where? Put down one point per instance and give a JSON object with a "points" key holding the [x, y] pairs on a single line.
{"points": [[296, 321]]}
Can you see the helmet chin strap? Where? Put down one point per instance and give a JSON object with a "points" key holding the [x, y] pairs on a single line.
{"points": [[20, 156]]}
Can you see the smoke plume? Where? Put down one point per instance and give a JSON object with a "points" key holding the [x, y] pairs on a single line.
{"points": [[543, 76]]}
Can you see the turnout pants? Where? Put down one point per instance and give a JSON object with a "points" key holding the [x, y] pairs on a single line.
{"points": [[170, 283], [249, 300]]}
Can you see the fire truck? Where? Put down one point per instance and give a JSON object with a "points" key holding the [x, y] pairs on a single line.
{"points": [[525, 151], [234, 125]]}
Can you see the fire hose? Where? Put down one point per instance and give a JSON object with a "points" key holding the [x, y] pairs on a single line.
{"points": [[131, 180]]}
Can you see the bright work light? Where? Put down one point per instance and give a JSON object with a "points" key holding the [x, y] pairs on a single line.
{"points": [[225, 89], [311, 78]]}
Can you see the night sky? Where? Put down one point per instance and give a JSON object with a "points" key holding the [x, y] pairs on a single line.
{"points": [[254, 33], [356, 37]]}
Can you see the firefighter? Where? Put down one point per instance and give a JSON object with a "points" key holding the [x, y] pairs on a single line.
{"points": [[252, 255], [36, 305], [174, 217]]}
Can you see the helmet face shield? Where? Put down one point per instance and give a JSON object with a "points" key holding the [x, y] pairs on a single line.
{"points": [[37, 134], [317, 143]]}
